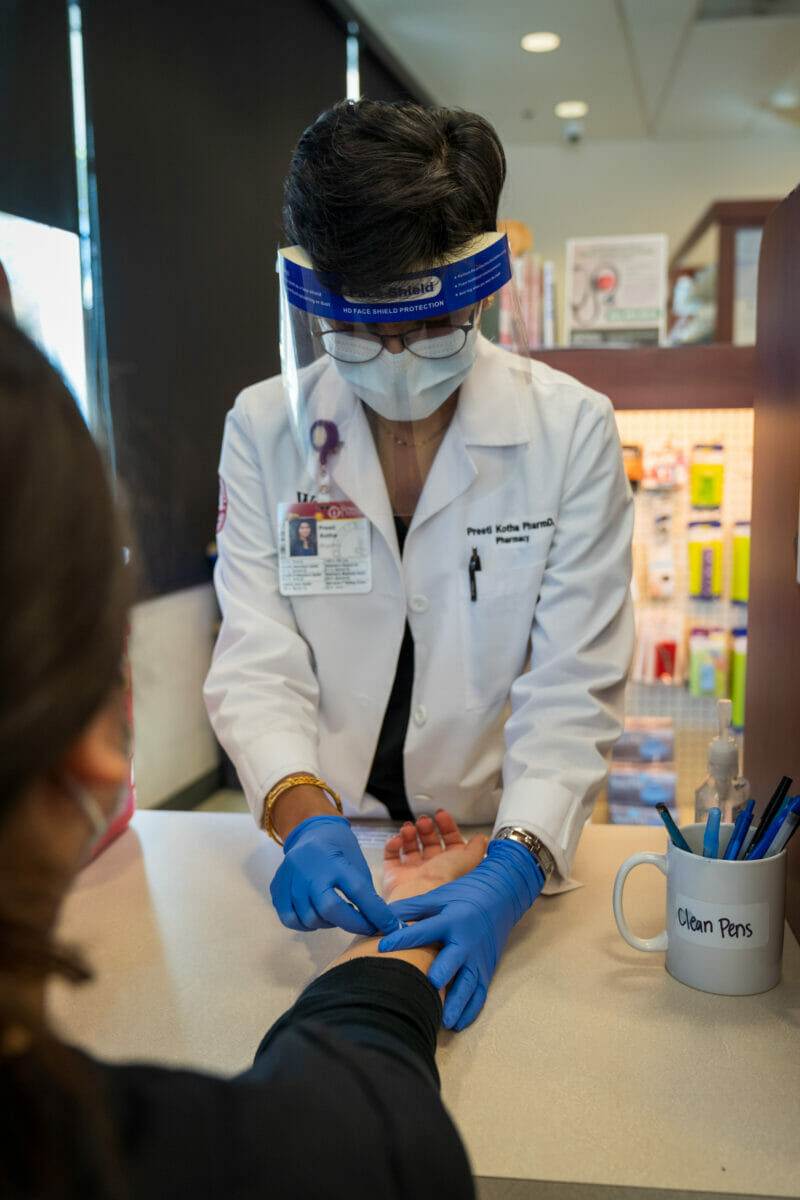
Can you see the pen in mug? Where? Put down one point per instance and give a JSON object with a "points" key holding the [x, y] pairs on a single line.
{"points": [[757, 847], [711, 835], [762, 846], [787, 829], [739, 831], [774, 804], [672, 829]]}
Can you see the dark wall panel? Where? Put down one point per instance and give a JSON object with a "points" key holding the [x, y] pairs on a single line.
{"points": [[772, 737], [37, 161], [379, 82], [196, 108]]}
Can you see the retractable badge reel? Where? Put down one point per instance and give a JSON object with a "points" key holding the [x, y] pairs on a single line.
{"points": [[325, 441]]}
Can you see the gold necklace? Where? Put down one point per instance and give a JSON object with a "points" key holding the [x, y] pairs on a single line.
{"points": [[414, 441]]}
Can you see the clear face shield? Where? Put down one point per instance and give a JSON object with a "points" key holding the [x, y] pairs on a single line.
{"points": [[403, 360]]}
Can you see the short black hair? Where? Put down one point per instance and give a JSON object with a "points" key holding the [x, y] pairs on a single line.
{"points": [[378, 189]]}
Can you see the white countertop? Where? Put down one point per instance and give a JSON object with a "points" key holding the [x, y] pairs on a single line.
{"points": [[588, 1064]]}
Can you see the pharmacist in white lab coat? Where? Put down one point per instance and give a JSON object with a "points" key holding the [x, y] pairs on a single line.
{"points": [[461, 638]]}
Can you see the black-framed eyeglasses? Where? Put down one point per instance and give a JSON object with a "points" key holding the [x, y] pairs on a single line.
{"points": [[346, 344]]}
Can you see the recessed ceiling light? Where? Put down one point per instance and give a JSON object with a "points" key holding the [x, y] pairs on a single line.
{"points": [[570, 109], [540, 43], [785, 98]]}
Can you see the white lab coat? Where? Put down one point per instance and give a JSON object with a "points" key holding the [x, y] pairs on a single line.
{"points": [[518, 695]]}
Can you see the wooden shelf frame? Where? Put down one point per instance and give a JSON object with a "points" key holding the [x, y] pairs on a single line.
{"points": [[729, 216], [669, 377]]}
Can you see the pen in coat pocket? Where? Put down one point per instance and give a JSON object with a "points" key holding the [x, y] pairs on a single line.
{"points": [[474, 565]]}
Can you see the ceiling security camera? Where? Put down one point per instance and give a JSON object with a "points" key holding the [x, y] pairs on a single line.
{"points": [[573, 131]]}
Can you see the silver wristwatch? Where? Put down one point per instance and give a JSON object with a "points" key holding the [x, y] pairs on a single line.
{"points": [[536, 848]]}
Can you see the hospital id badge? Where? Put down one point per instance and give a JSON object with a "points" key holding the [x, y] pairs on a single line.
{"points": [[323, 549]]}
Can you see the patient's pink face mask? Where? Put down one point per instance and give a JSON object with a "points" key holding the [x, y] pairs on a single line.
{"points": [[87, 803]]}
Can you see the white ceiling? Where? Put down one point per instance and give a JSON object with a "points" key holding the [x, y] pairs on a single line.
{"points": [[646, 68]]}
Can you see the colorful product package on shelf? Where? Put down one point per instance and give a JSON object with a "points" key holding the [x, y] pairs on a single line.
{"points": [[633, 463], [637, 814], [658, 657], [659, 552], [740, 571], [645, 740], [708, 662], [738, 676], [634, 791], [706, 474], [705, 560], [664, 468], [660, 572]]}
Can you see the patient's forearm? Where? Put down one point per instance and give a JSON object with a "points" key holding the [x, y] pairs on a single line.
{"points": [[422, 958], [367, 947]]}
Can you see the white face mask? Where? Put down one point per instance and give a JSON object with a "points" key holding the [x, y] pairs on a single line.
{"points": [[403, 387]]}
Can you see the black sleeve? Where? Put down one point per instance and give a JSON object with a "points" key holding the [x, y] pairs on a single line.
{"points": [[381, 1003], [341, 1102], [353, 1059]]}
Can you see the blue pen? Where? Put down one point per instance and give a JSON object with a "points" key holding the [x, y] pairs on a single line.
{"points": [[762, 847], [672, 829], [739, 831], [711, 835], [787, 829]]}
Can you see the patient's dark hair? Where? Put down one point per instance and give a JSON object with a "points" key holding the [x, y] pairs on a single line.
{"points": [[63, 602], [378, 189]]}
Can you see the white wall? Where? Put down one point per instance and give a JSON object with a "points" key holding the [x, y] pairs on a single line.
{"points": [[645, 186], [170, 650]]}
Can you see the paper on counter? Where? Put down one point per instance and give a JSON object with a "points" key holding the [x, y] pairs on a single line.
{"points": [[554, 888], [374, 834]]}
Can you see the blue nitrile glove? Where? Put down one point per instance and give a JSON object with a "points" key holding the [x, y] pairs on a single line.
{"points": [[472, 916], [320, 855]]}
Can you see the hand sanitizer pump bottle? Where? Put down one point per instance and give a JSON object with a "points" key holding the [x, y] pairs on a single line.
{"points": [[722, 787]]}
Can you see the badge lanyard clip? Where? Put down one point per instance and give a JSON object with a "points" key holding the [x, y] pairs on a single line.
{"points": [[324, 436]]}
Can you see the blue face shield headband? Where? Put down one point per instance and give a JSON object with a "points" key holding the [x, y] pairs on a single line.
{"points": [[482, 270]]}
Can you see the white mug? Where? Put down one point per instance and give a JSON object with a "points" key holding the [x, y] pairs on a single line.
{"points": [[724, 926]]}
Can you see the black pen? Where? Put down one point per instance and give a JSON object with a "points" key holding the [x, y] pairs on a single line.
{"points": [[474, 565], [775, 801]]}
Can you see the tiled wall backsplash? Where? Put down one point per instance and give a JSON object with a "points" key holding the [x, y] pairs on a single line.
{"points": [[694, 717]]}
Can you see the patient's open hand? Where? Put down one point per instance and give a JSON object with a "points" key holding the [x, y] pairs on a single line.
{"points": [[424, 855]]}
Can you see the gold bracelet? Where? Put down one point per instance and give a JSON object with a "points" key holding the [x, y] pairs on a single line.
{"points": [[294, 781]]}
